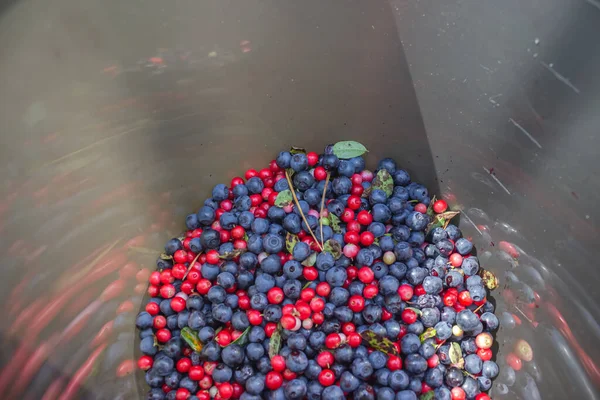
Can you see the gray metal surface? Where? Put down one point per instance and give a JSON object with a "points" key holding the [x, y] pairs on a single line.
{"points": [[118, 117]]}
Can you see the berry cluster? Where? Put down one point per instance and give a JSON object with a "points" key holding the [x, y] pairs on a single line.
{"points": [[317, 278]]}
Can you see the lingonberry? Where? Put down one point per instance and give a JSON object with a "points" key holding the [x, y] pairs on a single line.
{"points": [[440, 206], [327, 377], [273, 380]]}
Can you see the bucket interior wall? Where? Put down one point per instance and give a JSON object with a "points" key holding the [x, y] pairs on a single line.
{"points": [[118, 117]]}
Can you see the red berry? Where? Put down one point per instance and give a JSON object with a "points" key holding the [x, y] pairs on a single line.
{"points": [[325, 359], [278, 363], [238, 232], [352, 272], [182, 394], [153, 291], [226, 390], [405, 292], [353, 226], [367, 238], [152, 308], [159, 322], [354, 202], [464, 298], [326, 377], [236, 181], [409, 316], [394, 363], [385, 315], [212, 257], [256, 200], [193, 278], [458, 393], [370, 291], [352, 237], [178, 304], [313, 158], [307, 294], [347, 215], [485, 354], [205, 383], [366, 275], [356, 303], [303, 309], [163, 335], [320, 173], [450, 299], [333, 340], [433, 361], [270, 328], [419, 290], [166, 277], [310, 273], [254, 317], [223, 338], [353, 339], [145, 363], [317, 304], [251, 173], [364, 218], [420, 207], [348, 327], [456, 260], [482, 396], [184, 364], [323, 289], [180, 256], [440, 206], [288, 309], [318, 318], [275, 295], [289, 375], [203, 286], [273, 380], [154, 278], [196, 372], [288, 321]]}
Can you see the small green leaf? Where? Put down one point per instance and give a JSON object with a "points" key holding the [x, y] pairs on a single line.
{"points": [[416, 310], [413, 201], [427, 396], [455, 353], [333, 247], [325, 221], [380, 343], [334, 222], [310, 261], [191, 338], [441, 220], [246, 237], [384, 181], [275, 342], [429, 333], [348, 149], [242, 339], [232, 254], [297, 150], [290, 242], [307, 284], [284, 198]]}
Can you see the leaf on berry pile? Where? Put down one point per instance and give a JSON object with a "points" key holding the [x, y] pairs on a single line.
{"points": [[442, 220], [348, 149], [430, 211], [489, 279], [416, 310], [232, 254], [297, 150], [241, 341], [456, 357], [384, 181], [429, 333], [290, 242], [219, 329], [307, 284], [380, 343], [284, 198], [427, 396], [275, 342], [191, 266], [191, 338], [311, 260], [334, 222], [367, 192], [333, 247], [246, 237]]}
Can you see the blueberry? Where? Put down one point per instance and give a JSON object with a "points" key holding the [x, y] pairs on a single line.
{"points": [[303, 181], [403, 251], [220, 192], [388, 285], [434, 378], [477, 293], [172, 246], [470, 266], [292, 288], [255, 384], [147, 346], [242, 203], [292, 223], [443, 330], [346, 168], [272, 313], [454, 377], [468, 345], [163, 365], [362, 368], [410, 343], [210, 239], [430, 317], [336, 276], [296, 361], [377, 359], [324, 261], [416, 328], [264, 282], [433, 285], [381, 213], [471, 387], [454, 279], [299, 162], [153, 379], [406, 395], [377, 196], [284, 159], [442, 393], [172, 380], [256, 334], [484, 383], [216, 294], [271, 264], [246, 218], [273, 244], [255, 185], [365, 258], [427, 350], [343, 314], [144, 320], [330, 162], [240, 190], [259, 301], [467, 320], [372, 313], [301, 251], [463, 246], [417, 221], [489, 369], [445, 247], [415, 276]]}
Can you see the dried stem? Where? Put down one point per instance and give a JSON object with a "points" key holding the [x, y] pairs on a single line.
{"points": [[191, 265], [478, 308], [322, 206], [287, 175]]}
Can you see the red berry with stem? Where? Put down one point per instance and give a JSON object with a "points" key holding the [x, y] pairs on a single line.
{"points": [[364, 218], [440, 206], [325, 359], [254, 317]]}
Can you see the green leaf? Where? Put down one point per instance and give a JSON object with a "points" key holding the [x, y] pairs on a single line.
{"points": [[489, 279], [310, 261], [427, 396], [416, 310], [334, 222], [367, 192], [284, 198], [455, 353], [246, 237], [290, 242], [333, 247], [307, 284], [441, 220], [242, 339], [191, 338], [384, 181], [232, 254], [297, 150], [380, 343], [429, 333], [275, 342], [348, 149]]}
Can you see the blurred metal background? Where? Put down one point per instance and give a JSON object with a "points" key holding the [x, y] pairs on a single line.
{"points": [[118, 117]]}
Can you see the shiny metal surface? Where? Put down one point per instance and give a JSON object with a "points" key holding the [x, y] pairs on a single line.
{"points": [[119, 117]]}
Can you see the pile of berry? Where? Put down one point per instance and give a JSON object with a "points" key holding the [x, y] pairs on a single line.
{"points": [[352, 285]]}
